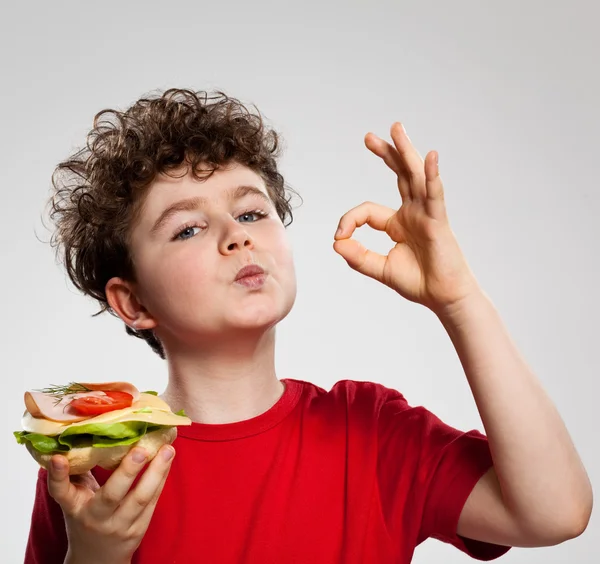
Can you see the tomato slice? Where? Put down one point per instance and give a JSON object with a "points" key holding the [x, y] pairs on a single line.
{"points": [[94, 405]]}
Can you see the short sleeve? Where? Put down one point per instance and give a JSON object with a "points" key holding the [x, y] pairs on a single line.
{"points": [[47, 542], [426, 471]]}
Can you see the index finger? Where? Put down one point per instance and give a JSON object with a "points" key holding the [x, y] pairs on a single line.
{"points": [[370, 213]]}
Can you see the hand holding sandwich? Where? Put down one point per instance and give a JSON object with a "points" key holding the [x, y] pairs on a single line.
{"points": [[106, 524], [71, 429]]}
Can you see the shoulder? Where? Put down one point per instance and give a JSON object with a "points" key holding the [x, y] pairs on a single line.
{"points": [[355, 400], [352, 391]]}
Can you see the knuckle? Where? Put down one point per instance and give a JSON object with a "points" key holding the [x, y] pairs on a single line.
{"points": [[123, 536], [55, 495], [142, 499], [111, 498], [53, 489], [416, 176], [62, 501], [129, 471], [69, 512], [135, 532]]}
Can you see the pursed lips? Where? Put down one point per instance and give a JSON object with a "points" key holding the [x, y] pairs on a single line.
{"points": [[249, 270]]}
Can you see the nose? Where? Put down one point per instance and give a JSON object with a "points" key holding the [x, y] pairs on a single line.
{"points": [[235, 238]]}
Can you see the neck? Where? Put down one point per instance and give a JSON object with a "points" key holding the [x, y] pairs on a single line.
{"points": [[225, 381]]}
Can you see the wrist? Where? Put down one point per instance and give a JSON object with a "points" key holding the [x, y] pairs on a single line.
{"points": [[458, 311]]}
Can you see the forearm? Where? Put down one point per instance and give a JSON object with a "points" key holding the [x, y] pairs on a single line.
{"points": [[83, 555], [538, 468]]}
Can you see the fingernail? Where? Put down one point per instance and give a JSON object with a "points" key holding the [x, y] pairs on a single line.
{"points": [[138, 456], [339, 231], [168, 453], [57, 465]]}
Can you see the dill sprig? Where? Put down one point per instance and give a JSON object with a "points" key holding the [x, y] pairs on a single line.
{"points": [[60, 391]]}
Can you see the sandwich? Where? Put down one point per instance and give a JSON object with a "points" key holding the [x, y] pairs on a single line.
{"points": [[95, 424]]}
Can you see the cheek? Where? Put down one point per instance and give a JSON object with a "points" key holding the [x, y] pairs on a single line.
{"points": [[178, 279], [283, 256]]}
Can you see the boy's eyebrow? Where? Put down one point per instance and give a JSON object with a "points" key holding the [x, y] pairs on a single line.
{"points": [[191, 204]]}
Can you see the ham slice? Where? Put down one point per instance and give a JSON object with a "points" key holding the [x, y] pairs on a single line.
{"points": [[45, 406], [114, 387]]}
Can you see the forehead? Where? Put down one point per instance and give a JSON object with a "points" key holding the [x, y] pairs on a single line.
{"points": [[168, 189]]}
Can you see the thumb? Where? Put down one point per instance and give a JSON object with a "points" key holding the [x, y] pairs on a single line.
{"points": [[360, 258], [59, 484], [69, 491]]}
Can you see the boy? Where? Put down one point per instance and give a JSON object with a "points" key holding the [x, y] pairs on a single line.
{"points": [[174, 218]]}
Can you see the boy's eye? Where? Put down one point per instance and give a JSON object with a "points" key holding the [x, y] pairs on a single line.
{"points": [[186, 232], [259, 214]]}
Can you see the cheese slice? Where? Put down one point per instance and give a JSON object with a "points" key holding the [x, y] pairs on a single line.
{"points": [[160, 414]]}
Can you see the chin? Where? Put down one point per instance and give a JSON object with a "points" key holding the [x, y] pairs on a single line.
{"points": [[261, 319], [261, 315]]}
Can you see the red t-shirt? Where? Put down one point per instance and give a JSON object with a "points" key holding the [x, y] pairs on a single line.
{"points": [[352, 475]]}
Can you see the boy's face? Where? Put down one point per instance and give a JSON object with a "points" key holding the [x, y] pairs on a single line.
{"points": [[187, 263]]}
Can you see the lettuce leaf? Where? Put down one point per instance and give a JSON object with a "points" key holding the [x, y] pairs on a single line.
{"points": [[124, 430], [96, 435], [42, 443]]}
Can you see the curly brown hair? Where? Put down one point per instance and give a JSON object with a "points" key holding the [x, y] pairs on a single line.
{"points": [[98, 191]]}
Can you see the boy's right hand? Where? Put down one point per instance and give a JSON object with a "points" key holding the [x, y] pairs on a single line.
{"points": [[106, 524]]}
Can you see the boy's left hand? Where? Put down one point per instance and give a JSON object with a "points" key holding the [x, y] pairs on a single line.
{"points": [[426, 265]]}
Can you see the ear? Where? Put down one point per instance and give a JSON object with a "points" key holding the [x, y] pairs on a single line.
{"points": [[122, 298]]}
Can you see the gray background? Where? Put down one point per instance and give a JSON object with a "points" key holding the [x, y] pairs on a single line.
{"points": [[506, 92]]}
